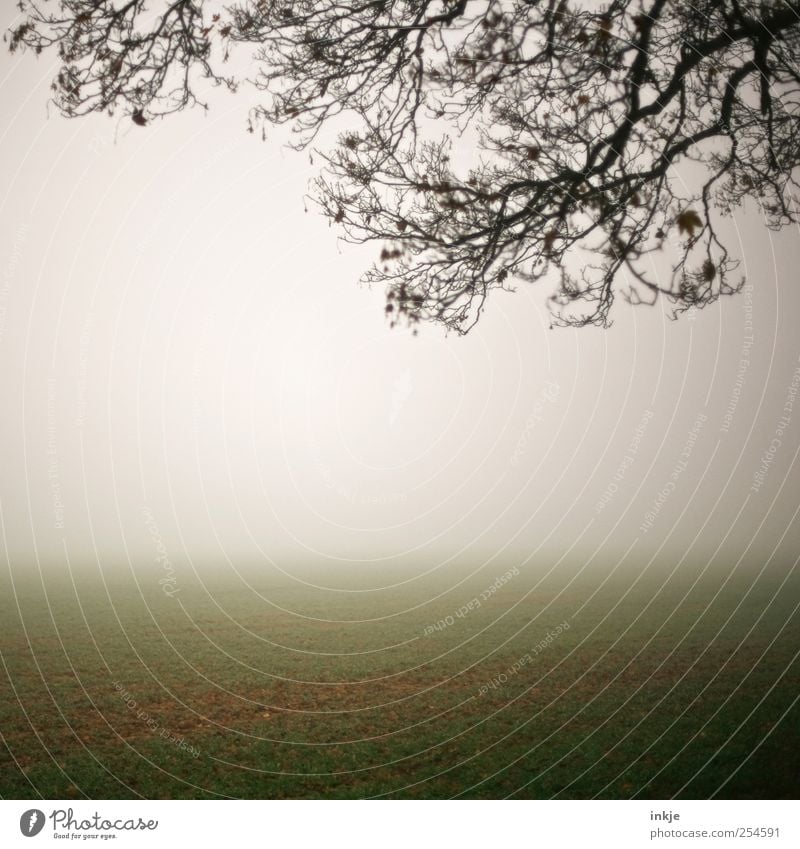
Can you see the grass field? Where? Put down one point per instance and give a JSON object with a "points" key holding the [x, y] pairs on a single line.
{"points": [[659, 687]]}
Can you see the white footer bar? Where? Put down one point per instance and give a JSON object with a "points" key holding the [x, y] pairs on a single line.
{"points": [[402, 824]]}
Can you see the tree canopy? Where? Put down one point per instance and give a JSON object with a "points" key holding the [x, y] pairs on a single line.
{"points": [[485, 142]]}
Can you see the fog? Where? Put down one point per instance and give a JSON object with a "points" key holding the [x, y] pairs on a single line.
{"points": [[190, 370]]}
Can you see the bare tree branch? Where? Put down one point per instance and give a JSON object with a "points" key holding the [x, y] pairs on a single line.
{"points": [[485, 142]]}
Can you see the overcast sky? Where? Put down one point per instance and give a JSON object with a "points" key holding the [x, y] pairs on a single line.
{"points": [[189, 363]]}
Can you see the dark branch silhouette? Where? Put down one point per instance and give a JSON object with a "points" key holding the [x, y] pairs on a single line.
{"points": [[487, 142]]}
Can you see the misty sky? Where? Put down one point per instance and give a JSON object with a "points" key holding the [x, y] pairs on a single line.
{"points": [[188, 362]]}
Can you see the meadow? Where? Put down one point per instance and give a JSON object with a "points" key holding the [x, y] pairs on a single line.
{"points": [[678, 680]]}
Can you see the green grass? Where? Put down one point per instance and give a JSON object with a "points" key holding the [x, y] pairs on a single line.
{"points": [[654, 691]]}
